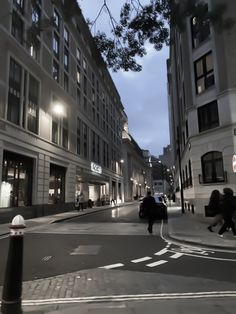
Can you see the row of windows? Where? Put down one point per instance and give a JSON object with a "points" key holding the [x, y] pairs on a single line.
{"points": [[28, 104], [34, 49]]}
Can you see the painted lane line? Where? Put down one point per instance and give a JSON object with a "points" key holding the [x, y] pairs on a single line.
{"points": [[142, 259], [112, 266], [133, 297], [176, 255], [156, 263], [161, 252]]}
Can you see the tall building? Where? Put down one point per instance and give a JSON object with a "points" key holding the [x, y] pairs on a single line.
{"points": [[136, 167], [61, 117], [202, 102]]}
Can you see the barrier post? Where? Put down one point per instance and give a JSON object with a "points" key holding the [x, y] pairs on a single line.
{"points": [[12, 288]]}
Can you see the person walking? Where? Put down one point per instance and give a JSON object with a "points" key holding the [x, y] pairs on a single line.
{"points": [[228, 209], [81, 201], [149, 205], [215, 208]]}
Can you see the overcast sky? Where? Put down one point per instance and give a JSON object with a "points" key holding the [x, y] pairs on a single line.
{"points": [[143, 94]]}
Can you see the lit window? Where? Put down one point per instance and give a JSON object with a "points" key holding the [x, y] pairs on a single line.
{"points": [[55, 71], [66, 35], [56, 45], [78, 75], [204, 73], [78, 55], [56, 19]]}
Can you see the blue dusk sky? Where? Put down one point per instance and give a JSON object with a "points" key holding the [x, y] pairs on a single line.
{"points": [[143, 94]]}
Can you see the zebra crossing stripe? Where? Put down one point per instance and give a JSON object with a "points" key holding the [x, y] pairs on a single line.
{"points": [[143, 259], [112, 266], [176, 255], [156, 263], [161, 252]]}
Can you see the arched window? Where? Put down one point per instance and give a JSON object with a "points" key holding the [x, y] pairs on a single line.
{"points": [[212, 167]]}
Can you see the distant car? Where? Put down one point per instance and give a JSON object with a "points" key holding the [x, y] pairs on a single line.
{"points": [[161, 208]]}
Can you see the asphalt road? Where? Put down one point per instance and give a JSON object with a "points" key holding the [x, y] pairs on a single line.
{"points": [[115, 239]]}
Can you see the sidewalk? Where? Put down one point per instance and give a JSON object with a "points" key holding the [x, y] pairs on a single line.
{"points": [[192, 229]]}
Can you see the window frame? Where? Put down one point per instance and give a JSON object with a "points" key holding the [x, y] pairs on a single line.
{"points": [[214, 160], [205, 73], [208, 116]]}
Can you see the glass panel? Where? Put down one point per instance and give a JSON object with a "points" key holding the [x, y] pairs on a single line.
{"points": [[209, 62], [199, 68], [219, 170], [200, 85]]}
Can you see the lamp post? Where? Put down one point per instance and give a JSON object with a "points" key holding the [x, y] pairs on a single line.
{"points": [[180, 174]]}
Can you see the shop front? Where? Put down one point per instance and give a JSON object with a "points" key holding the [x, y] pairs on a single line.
{"points": [[16, 184], [95, 186]]}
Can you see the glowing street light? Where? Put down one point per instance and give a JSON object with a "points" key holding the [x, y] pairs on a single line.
{"points": [[58, 109]]}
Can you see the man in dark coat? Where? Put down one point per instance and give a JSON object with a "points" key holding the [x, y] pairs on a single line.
{"points": [[228, 209], [149, 205]]}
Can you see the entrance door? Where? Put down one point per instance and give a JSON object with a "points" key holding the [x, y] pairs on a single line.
{"points": [[56, 184]]}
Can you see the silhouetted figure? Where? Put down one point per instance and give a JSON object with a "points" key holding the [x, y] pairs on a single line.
{"points": [[215, 207], [228, 208], [149, 205]]}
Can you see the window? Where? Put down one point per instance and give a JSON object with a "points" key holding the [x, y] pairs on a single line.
{"points": [[78, 136], [56, 45], [85, 85], [66, 82], [65, 133], [56, 184], [56, 20], [55, 71], [78, 97], [78, 75], [19, 5], [208, 117], [204, 73], [84, 65], [200, 30], [66, 59], [34, 48], [35, 14], [78, 55], [212, 167], [15, 79], [55, 131], [32, 112], [66, 35], [17, 27], [85, 140]]}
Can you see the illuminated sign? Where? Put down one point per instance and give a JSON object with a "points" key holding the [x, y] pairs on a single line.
{"points": [[234, 163], [96, 168]]}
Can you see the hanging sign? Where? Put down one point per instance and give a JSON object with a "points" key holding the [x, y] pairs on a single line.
{"points": [[234, 163], [96, 168]]}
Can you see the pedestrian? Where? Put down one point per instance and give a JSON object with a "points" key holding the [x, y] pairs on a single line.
{"points": [[228, 209], [81, 201], [149, 206], [215, 208]]}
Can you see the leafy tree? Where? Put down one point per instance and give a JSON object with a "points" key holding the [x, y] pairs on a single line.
{"points": [[151, 23]]}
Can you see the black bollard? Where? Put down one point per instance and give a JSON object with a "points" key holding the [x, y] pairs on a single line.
{"points": [[12, 288]]}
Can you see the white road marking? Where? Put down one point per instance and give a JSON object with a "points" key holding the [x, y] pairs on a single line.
{"points": [[142, 259], [132, 297], [156, 263], [176, 255], [112, 266], [161, 252]]}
